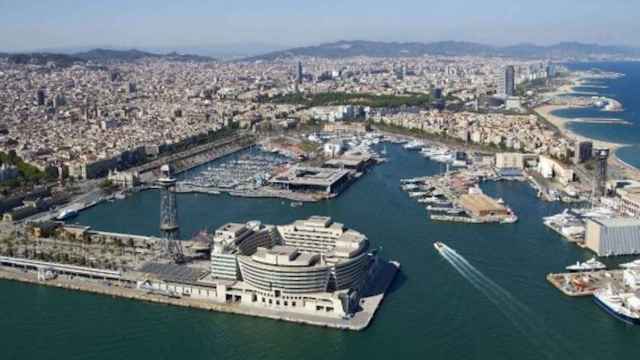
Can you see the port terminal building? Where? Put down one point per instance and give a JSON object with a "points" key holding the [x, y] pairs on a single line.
{"points": [[481, 205], [309, 266], [613, 236], [312, 179]]}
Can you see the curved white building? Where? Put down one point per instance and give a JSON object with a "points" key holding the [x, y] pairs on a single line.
{"points": [[309, 264]]}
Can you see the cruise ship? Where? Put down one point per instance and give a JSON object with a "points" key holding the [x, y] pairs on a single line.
{"points": [[589, 265], [622, 306]]}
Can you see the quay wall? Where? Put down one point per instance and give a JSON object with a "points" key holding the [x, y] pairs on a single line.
{"points": [[359, 322]]}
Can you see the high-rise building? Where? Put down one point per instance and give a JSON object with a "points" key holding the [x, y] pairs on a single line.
{"points": [[600, 181], [300, 72], [41, 97], [583, 151], [507, 82], [59, 100], [436, 93]]}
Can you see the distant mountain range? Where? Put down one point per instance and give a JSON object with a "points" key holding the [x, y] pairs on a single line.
{"points": [[342, 49], [98, 56], [339, 49]]}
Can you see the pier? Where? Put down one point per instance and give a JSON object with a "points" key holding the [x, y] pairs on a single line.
{"points": [[125, 287], [583, 283]]}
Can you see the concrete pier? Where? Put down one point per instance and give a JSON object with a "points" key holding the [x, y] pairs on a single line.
{"points": [[373, 296], [583, 283]]}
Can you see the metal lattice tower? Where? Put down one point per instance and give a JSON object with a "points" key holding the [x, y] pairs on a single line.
{"points": [[169, 227], [600, 180]]}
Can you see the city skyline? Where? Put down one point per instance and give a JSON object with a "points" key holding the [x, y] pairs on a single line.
{"points": [[73, 25]]}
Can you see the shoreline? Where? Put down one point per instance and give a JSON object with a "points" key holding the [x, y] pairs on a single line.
{"points": [[562, 124], [546, 111], [627, 170]]}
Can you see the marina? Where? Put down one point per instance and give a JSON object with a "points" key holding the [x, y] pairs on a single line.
{"points": [[455, 196]]}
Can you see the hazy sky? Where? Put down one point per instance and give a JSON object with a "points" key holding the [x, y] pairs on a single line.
{"points": [[29, 24]]}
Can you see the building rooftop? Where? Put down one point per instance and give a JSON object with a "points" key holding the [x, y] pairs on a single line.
{"points": [[617, 222], [302, 175], [284, 256], [480, 202]]}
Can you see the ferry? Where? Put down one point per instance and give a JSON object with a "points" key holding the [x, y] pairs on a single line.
{"points": [[67, 214], [589, 265], [439, 246], [622, 306]]}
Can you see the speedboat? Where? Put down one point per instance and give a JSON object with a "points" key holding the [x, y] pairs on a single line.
{"points": [[439, 246], [589, 265]]}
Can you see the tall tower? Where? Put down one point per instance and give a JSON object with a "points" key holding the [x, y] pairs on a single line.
{"points": [[169, 214], [600, 181], [506, 81], [41, 97], [300, 72]]}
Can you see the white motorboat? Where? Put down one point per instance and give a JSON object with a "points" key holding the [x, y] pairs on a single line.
{"points": [[634, 265], [589, 265]]}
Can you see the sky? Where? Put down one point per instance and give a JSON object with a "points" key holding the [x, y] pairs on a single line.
{"points": [[67, 24]]}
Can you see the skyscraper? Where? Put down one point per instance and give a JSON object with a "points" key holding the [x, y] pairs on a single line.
{"points": [[583, 151], [507, 82], [300, 72], [436, 93], [600, 181], [41, 96]]}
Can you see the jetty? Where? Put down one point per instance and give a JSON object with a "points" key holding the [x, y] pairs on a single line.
{"points": [[584, 283], [125, 285]]}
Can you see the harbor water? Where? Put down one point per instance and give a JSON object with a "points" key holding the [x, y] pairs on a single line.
{"points": [[625, 90], [493, 304]]}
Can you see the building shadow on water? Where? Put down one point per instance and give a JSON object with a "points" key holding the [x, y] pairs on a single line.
{"points": [[398, 282], [386, 275]]}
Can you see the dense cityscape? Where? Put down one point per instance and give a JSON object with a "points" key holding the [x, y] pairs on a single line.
{"points": [[351, 185]]}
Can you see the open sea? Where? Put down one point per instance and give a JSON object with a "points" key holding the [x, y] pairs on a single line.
{"points": [[486, 299], [627, 91]]}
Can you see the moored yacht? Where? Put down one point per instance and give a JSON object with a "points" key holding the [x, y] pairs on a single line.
{"points": [[589, 265], [634, 265], [414, 145], [622, 306], [67, 214]]}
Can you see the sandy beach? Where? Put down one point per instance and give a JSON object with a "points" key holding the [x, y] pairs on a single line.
{"points": [[561, 123], [618, 168]]}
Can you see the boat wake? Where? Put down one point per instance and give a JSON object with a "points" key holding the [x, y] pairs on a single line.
{"points": [[521, 316]]}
